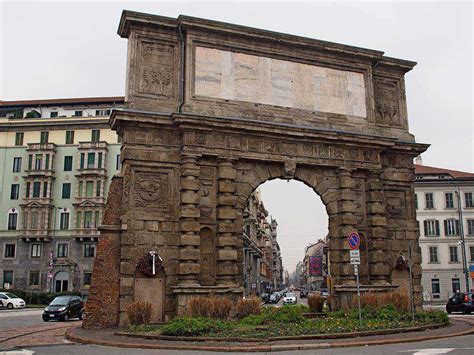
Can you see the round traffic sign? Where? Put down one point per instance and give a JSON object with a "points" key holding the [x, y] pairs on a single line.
{"points": [[354, 241]]}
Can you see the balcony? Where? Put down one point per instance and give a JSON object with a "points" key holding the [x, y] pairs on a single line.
{"points": [[31, 173], [41, 147], [101, 145]]}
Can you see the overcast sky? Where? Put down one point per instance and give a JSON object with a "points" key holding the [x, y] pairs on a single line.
{"points": [[71, 49]]}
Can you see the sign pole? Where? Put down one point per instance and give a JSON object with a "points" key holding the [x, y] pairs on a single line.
{"points": [[354, 255], [356, 269]]}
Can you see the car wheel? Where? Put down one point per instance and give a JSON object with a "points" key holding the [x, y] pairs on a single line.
{"points": [[81, 316], [45, 320], [448, 311], [465, 310], [66, 317], [10, 306]]}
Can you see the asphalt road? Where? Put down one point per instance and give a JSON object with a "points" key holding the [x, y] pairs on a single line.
{"points": [[280, 302], [23, 318], [453, 346]]}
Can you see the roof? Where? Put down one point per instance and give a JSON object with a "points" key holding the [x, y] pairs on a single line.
{"points": [[430, 170], [71, 101]]}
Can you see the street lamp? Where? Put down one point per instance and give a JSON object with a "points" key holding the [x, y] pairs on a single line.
{"points": [[462, 241]]}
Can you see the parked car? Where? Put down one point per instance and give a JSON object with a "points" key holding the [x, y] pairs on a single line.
{"points": [[460, 302], [265, 297], [290, 298], [274, 297], [10, 301], [63, 308], [303, 293]]}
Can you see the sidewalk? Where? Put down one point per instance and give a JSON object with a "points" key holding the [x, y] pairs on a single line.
{"points": [[459, 326]]}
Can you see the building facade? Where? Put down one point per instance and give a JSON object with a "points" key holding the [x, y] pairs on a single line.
{"points": [[262, 262], [315, 265], [445, 214], [57, 158]]}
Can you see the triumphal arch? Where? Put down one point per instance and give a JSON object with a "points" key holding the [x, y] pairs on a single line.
{"points": [[213, 110]]}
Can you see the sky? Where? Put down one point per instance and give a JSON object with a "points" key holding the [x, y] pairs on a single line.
{"points": [[71, 49]]}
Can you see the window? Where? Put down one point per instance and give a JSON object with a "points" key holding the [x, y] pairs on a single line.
{"points": [[28, 187], [82, 160], [36, 250], [19, 138], [78, 113], [12, 221], [78, 220], [68, 163], [45, 189], [449, 200], [90, 160], [89, 250], [468, 198], [46, 164], [456, 284], [30, 161], [470, 226], [453, 254], [99, 160], [96, 219], [66, 190], [88, 219], [87, 278], [97, 188], [34, 220], [69, 137], [451, 227], [38, 161], [102, 112], [53, 114], [471, 251], [7, 277], [435, 289], [117, 162], [34, 278], [10, 250], [80, 191], [36, 189], [15, 192], [416, 201], [16, 164], [429, 200], [64, 221], [433, 254], [95, 136], [44, 137], [89, 188], [431, 228], [62, 250]]}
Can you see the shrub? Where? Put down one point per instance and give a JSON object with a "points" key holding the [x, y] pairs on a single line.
{"points": [[220, 307], [432, 316], [193, 326], [199, 307], [397, 299], [247, 307], [284, 315], [139, 313], [316, 302]]}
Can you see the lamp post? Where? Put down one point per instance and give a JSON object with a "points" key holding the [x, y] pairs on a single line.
{"points": [[462, 241]]}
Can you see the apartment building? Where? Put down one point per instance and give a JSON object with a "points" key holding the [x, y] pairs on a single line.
{"points": [[57, 158], [445, 214]]}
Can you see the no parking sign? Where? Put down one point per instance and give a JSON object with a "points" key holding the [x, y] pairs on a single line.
{"points": [[354, 241]]}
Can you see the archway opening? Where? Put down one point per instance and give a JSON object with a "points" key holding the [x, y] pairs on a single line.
{"points": [[285, 239]]}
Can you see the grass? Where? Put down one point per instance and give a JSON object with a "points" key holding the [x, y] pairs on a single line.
{"points": [[289, 321]]}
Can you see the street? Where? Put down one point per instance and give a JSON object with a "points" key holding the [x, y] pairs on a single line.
{"points": [[303, 301]]}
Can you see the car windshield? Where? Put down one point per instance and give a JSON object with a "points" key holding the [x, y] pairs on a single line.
{"points": [[61, 301], [11, 295], [290, 295]]}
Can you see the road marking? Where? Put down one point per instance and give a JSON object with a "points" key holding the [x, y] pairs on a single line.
{"points": [[429, 351], [21, 313], [17, 352]]}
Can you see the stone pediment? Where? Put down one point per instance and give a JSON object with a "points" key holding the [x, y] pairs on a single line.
{"points": [[34, 205], [87, 204]]}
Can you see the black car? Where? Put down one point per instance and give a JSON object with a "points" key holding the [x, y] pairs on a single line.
{"points": [[303, 293], [460, 302], [63, 308], [265, 297]]}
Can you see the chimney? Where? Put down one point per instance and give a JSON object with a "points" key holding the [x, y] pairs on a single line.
{"points": [[418, 160]]}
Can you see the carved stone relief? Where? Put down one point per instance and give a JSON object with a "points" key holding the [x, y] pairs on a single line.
{"points": [[151, 189], [387, 105]]}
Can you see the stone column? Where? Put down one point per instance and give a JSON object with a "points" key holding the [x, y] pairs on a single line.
{"points": [[376, 230], [229, 245], [188, 219]]}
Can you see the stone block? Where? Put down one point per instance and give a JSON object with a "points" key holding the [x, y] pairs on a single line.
{"points": [[346, 206], [227, 268], [190, 184], [126, 281], [190, 172], [190, 212], [152, 225], [190, 239], [227, 241], [227, 227], [127, 268], [376, 208], [167, 226], [189, 197], [190, 254], [226, 186], [346, 182], [189, 268], [348, 195], [225, 254], [227, 172], [137, 224], [227, 200], [226, 213], [374, 185], [375, 196], [190, 226]]}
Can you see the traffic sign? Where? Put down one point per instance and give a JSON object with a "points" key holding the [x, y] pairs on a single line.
{"points": [[356, 272], [354, 241], [354, 253], [355, 261]]}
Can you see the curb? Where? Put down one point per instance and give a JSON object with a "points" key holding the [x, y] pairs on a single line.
{"points": [[259, 347], [34, 332]]}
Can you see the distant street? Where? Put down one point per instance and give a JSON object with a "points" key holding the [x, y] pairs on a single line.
{"points": [[300, 300]]}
